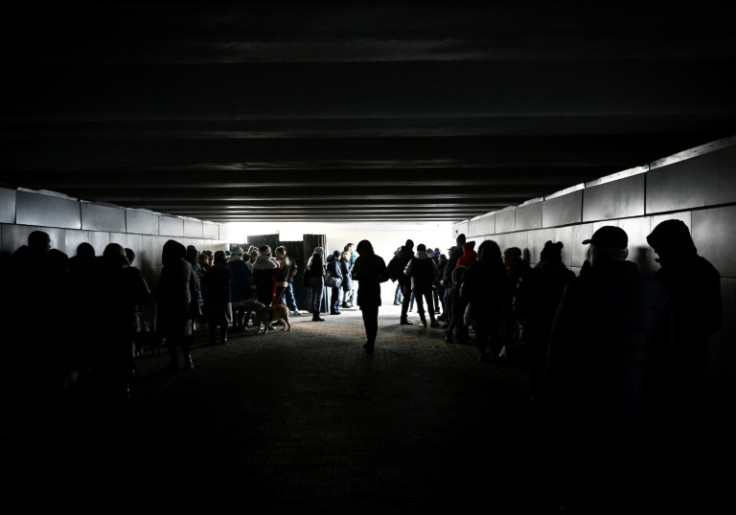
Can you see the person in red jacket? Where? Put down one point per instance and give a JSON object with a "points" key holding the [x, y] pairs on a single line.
{"points": [[469, 255]]}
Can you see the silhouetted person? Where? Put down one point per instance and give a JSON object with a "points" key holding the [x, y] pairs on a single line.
{"points": [[314, 275], [82, 278], [422, 271], [695, 287], [487, 290], [118, 293], [217, 306], [453, 254], [370, 271], [346, 267], [536, 298], [456, 326], [335, 269], [241, 279], [610, 341], [179, 300], [40, 313], [396, 271], [265, 269]]}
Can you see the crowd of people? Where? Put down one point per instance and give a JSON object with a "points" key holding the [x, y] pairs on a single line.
{"points": [[614, 355]]}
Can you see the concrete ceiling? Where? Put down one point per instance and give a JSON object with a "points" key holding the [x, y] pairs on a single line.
{"points": [[338, 111]]}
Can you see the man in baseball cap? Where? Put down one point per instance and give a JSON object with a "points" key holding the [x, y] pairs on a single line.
{"points": [[610, 340]]}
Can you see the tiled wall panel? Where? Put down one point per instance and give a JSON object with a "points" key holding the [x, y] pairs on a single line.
{"points": [[210, 231], [563, 210], [224, 231], [616, 199], [47, 211], [7, 206], [97, 217], [705, 180], [140, 221], [506, 220], [192, 228], [488, 224], [529, 216], [713, 234], [170, 226], [474, 228]]}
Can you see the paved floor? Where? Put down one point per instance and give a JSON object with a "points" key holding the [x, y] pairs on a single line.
{"points": [[306, 422]]}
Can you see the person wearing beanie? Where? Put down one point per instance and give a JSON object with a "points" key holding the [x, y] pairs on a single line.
{"points": [[314, 277]]}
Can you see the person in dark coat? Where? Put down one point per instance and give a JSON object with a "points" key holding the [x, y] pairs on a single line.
{"points": [[536, 298], [486, 288], [217, 304], [453, 254], [346, 266], [118, 293], [611, 341], [314, 275], [40, 309], [370, 271], [423, 272], [333, 266], [396, 271], [179, 303], [695, 287]]}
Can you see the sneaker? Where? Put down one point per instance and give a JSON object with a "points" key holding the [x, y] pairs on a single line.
{"points": [[434, 323], [296, 313]]}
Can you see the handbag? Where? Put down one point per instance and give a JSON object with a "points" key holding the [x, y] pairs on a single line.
{"points": [[330, 279]]}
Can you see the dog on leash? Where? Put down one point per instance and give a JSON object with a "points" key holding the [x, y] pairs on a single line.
{"points": [[270, 315]]}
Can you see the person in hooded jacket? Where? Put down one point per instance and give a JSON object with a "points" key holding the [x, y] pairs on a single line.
{"points": [[469, 255], [694, 285], [241, 280]]}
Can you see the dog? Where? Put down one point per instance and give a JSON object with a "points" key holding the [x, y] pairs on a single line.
{"points": [[250, 309], [270, 315]]}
